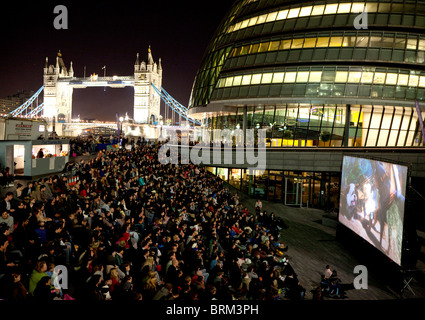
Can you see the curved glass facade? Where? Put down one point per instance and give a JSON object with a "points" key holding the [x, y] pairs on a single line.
{"points": [[305, 73]]}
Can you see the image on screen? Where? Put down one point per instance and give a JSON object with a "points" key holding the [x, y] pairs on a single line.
{"points": [[372, 202]]}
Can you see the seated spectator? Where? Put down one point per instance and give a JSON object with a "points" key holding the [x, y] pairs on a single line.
{"points": [[37, 274]]}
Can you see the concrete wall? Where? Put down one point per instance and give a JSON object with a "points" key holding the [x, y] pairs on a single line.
{"points": [[47, 165], [326, 159]]}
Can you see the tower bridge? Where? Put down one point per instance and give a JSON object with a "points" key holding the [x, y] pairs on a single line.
{"points": [[59, 83]]}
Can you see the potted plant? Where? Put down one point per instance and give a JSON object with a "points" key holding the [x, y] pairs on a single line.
{"points": [[287, 134], [325, 136]]}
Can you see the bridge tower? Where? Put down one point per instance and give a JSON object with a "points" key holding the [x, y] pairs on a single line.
{"points": [[146, 101], [57, 94]]}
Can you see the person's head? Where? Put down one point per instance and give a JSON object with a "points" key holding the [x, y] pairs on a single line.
{"points": [[41, 266], [44, 282], [9, 195], [5, 214], [114, 273]]}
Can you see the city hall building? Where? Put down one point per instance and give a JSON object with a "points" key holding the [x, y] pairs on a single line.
{"points": [[325, 79]]}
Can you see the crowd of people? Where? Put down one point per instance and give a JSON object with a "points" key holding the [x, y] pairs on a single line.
{"points": [[132, 228]]}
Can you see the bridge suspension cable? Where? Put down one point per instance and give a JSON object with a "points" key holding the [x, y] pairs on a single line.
{"points": [[36, 111], [165, 96], [18, 111], [174, 104]]}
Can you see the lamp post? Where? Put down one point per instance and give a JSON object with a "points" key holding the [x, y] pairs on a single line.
{"points": [[121, 119]]}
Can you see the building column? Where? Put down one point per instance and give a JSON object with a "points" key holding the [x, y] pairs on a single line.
{"points": [[347, 124], [244, 122]]}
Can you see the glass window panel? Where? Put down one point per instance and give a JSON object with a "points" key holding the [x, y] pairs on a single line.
{"points": [[252, 21], [302, 76], [293, 13], [397, 7], [237, 80], [387, 42], [371, 138], [379, 78], [421, 45], [411, 44], [344, 7], [341, 76], [305, 11], [318, 10], [254, 48], [349, 41], [274, 45], [229, 82], [244, 23], [391, 78], [322, 41], [357, 7], [403, 79], [328, 76], [262, 18], [244, 50], [237, 26], [297, 43], [335, 42], [285, 44], [256, 78], [331, 8], [400, 43], [376, 42], [264, 46], [267, 78], [367, 77], [384, 7], [354, 76], [221, 82], [310, 42], [372, 7], [246, 79], [282, 14], [413, 81], [315, 76], [290, 77], [362, 41], [278, 77], [422, 82], [271, 16]]}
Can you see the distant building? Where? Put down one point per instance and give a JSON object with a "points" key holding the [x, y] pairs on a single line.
{"points": [[10, 103]]}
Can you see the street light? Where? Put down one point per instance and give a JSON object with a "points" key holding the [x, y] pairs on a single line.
{"points": [[121, 119]]}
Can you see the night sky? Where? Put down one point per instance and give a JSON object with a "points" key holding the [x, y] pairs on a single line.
{"points": [[108, 33]]}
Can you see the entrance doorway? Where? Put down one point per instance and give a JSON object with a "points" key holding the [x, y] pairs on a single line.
{"points": [[275, 187], [296, 191], [18, 160]]}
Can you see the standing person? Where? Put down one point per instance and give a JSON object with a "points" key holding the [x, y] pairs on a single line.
{"points": [[328, 272], [258, 206], [40, 153]]}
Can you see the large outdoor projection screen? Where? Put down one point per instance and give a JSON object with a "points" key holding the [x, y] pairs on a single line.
{"points": [[372, 202]]}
